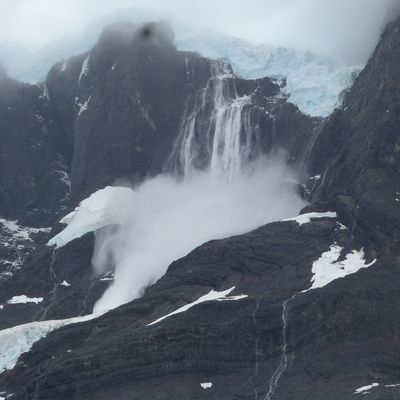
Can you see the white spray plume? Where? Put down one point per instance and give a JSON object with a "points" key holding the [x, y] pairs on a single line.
{"points": [[169, 218]]}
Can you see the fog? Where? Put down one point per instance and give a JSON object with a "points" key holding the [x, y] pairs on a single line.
{"points": [[171, 217], [346, 29]]}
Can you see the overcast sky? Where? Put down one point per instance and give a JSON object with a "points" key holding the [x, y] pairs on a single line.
{"points": [[342, 28]]}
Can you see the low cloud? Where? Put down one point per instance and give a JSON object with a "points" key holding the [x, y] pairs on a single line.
{"points": [[340, 28]]}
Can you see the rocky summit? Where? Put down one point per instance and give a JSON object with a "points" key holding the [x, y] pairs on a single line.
{"points": [[297, 309]]}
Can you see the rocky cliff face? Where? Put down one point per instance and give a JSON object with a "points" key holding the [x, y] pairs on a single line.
{"points": [[125, 101], [34, 180], [357, 152], [114, 114], [275, 323]]}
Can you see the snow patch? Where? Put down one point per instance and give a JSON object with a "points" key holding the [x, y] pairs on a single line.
{"points": [[327, 268], [85, 68], [19, 339], [211, 296], [365, 388], [19, 231], [65, 283], [25, 299], [63, 66], [45, 92], [83, 107], [306, 218], [105, 207], [206, 385]]}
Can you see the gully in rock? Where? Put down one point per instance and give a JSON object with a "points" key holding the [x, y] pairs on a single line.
{"points": [[57, 282], [285, 356]]}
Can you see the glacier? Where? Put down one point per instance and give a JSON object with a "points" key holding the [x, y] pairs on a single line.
{"points": [[314, 82], [19, 339], [105, 207]]}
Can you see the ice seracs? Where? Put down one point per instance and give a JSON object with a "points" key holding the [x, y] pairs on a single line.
{"points": [[105, 207], [19, 339], [313, 82]]}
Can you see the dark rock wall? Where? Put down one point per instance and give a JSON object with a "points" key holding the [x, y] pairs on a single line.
{"points": [[33, 155], [358, 150]]}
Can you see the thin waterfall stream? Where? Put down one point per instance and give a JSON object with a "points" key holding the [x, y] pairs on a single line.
{"points": [[283, 363]]}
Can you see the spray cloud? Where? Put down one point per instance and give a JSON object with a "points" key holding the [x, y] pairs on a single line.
{"points": [[170, 218]]}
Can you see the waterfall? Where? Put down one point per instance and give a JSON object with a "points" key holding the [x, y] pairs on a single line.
{"points": [[274, 381], [216, 131]]}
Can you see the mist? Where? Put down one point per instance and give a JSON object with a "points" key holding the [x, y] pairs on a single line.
{"points": [[171, 217], [344, 29]]}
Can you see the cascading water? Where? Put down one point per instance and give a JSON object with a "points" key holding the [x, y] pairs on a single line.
{"points": [[216, 130], [283, 363], [226, 190]]}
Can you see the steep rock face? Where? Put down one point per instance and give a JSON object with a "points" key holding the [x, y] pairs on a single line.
{"points": [[113, 114], [34, 183], [357, 151], [335, 341], [63, 280], [126, 100]]}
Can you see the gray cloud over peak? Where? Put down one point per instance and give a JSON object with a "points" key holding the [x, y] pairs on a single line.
{"points": [[347, 29]]}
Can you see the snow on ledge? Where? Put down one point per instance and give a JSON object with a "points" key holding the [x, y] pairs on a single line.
{"points": [[107, 206], [206, 385], [365, 388], [211, 296], [19, 231], [306, 218], [24, 299], [83, 107], [85, 68], [327, 268], [19, 339]]}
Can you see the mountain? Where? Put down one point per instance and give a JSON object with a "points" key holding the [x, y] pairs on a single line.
{"points": [[301, 308], [119, 110], [315, 83]]}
